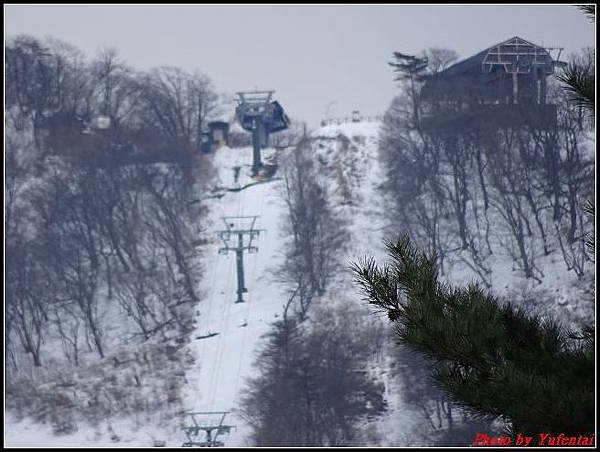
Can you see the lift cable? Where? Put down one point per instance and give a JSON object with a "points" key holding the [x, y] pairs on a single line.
{"points": [[237, 380], [225, 320]]}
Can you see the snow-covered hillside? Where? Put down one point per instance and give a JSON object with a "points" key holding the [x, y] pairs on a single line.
{"points": [[225, 360], [348, 156]]}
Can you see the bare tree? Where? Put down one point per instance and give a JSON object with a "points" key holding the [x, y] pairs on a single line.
{"points": [[115, 89], [93, 225], [318, 235], [67, 322], [313, 389], [439, 59], [28, 296], [177, 104]]}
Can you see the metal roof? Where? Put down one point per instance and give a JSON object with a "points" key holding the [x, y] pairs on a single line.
{"points": [[515, 55]]}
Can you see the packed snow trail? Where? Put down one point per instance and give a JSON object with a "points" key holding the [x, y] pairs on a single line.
{"points": [[225, 360]]}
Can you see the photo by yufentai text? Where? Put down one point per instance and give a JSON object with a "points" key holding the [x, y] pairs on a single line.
{"points": [[541, 439]]}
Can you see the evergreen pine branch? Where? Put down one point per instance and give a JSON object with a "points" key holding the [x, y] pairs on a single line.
{"points": [[493, 358], [580, 84], [407, 66], [588, 10]]}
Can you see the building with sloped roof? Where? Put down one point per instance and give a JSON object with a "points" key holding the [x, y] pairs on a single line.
{"points": [[505, 83]]}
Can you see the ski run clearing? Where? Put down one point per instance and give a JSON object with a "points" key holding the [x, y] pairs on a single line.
{"points": [[228, 334]]}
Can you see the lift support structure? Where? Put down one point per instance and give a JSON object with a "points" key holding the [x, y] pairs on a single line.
{"points": [[209, 422], [258, 114], [235, 229]]}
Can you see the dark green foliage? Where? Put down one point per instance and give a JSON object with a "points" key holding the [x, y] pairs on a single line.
{"points": [[579, 79], [407, 66], [493, 358], [580, 84], [588, 10]]}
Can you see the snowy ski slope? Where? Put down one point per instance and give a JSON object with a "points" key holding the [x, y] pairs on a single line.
{"points": [[348, 155], [225, 360]]}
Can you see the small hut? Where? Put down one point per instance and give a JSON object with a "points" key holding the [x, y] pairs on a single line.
{"points": [[219, 133]]}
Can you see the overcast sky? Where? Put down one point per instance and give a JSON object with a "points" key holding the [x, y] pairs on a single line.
{"points": [[311, 55]]}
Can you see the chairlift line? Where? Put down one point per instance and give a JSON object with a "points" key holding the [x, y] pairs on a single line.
{"points": [[260, 115]]}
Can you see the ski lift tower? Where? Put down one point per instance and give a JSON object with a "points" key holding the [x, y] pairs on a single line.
{"points": [[261, 116], [240, 227], [209, 422]]}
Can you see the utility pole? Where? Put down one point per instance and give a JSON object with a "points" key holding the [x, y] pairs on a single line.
{"points": [[235, 228]]}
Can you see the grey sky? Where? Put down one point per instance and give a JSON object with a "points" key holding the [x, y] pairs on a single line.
{"points": [[310, 54]]}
